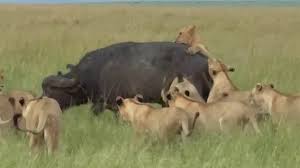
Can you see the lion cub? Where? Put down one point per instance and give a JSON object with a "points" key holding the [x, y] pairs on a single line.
{"points": [[182, 83], [42, 120], [161, 122], [282, 107], [187, 35], [223, 87], [218, 116]]}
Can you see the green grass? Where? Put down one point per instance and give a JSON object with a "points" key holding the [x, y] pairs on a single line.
{"points": [[262, 43]]}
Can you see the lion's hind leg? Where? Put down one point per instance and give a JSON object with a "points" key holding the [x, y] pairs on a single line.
{"points": [[52, 137]]}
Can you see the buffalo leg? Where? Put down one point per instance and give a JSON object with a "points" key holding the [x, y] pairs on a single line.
{"points": [[114, 109], [98, 108]]}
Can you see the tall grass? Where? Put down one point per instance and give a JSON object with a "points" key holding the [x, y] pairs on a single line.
{"points": [[262, 43]]}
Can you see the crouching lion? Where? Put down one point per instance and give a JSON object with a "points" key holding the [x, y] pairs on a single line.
{"points": [[160, 122], [282, 107], [187, 35], [218, 116], [42, 120]]}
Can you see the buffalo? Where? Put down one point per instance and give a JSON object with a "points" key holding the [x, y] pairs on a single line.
{"points": [[126, 69]]}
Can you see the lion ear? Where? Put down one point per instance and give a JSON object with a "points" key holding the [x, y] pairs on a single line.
{"points": [[259, 87], [139, 97], [187, 93], [192, 29], [169, 96], [119, 100], [22, 101], [214, 72], [12, 101], [176, 90]]}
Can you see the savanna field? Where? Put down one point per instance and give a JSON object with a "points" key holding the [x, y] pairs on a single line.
{"points": [[262, 43]]}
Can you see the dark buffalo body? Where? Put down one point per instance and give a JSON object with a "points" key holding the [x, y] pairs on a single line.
{"points": [[127, 69]]}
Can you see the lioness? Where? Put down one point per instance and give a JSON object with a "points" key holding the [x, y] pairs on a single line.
{"points": [[282, 107], [187, 35], [42, 118], [6, 109], [20, 95], [161, 122], [223, 87], [182, 83], [217, 116]]}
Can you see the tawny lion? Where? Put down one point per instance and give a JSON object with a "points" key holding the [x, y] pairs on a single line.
{"points": [[217, 116], [161, 122], [187, 35], [42, 118], [223, 87], [282, 107]]}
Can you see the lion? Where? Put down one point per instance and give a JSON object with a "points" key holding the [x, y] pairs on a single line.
{"points": [[282, 107], [187, 35], [20, 95], [6, 110], [161, 122], [42, 121], [223, 87], [6, 114], [217, 116], [182, 83]]}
